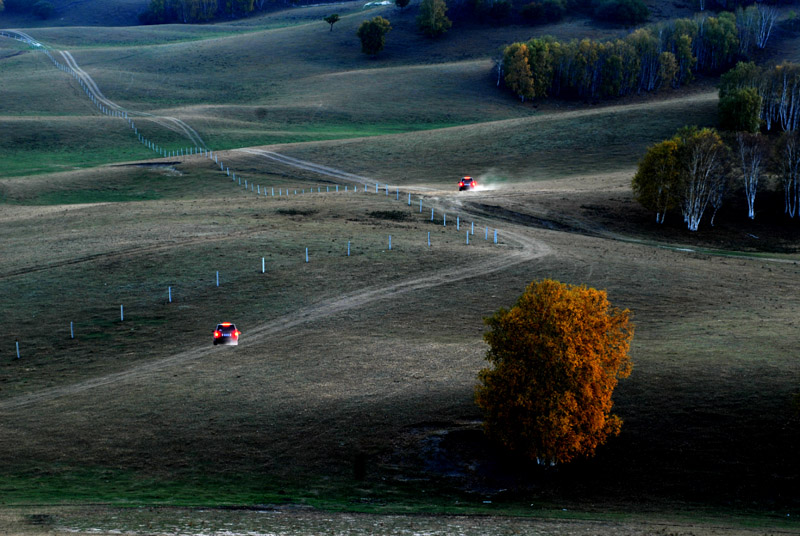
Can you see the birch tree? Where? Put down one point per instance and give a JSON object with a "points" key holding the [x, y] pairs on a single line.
{"points": [[767, 15], [702, 158], [751, 154], [789, 148]]}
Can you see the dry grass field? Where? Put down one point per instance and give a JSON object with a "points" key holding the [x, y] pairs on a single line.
{"points": [[348, 406]]}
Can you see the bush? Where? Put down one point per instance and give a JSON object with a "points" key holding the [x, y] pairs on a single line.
{"points": [[739, 110], [43, 9], [373, 35], [544, 11], [621, 11]]}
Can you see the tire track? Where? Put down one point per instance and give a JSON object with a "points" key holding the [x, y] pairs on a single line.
{"points": [[171, 123], [529, 249], [309, 166]]}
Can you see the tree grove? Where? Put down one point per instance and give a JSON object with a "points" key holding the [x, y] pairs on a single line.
{"points": [[662, 55], [556, 358]]}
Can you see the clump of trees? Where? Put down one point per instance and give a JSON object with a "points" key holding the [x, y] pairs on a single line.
{"points": [[191, 11], [373, 35], [432, 18], [43, 9], [543, 11], [696, 169], [624, 11], [778, 88], [663, 55], [556, 357]]}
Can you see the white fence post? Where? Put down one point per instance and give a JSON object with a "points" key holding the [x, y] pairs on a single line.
{"points": [[458, 223], [121, 314], [217, 277], [467, 237], [431, 213], [390, 242], [429, 238], [71, 331], [306, 254], [445, 220], [169, 291], [495, 236], [17, 343], [348, 248]]}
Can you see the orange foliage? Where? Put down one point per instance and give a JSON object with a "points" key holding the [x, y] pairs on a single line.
{"points": [[557, 356]]}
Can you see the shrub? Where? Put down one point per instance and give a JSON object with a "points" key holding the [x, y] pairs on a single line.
{"points": [[544, 11], [43, 9], [621, 11]]}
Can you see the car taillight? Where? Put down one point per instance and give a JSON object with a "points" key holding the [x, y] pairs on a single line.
{"points": [[217, 334], [237, 333], [461, 184]]}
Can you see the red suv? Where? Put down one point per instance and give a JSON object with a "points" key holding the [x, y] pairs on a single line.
{"points": [[467, 183], [226, 333]]}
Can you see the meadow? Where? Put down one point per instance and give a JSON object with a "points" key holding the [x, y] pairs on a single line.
{"points": [[349, 402]]}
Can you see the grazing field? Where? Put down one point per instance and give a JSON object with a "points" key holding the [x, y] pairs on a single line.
{"points": [[348, 404]]}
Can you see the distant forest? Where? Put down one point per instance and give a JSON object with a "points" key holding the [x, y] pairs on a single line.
{"points": [[665, 54], [492, 12]]}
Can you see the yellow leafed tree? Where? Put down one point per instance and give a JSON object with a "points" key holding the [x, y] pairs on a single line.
{"points": [[557, 355]]}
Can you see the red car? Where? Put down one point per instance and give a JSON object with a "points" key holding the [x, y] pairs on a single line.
{"points": [[226, 333], [467, 183]]}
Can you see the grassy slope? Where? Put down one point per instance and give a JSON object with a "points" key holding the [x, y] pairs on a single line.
{"points": [[289, 414], [236, 91]]}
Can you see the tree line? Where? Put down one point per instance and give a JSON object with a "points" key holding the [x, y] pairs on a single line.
{"points": [[190, 11], [666, 54]]}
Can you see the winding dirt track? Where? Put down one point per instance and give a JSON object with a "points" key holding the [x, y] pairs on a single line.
{"points": [[172, 123], [529, 249]]}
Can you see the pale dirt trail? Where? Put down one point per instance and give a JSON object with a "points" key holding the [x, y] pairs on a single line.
{"points": [[172, 123], [529, 249]]}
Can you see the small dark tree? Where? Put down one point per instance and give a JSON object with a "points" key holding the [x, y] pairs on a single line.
{"points": [[332, 19], [543, 11], [43, 9], [557, 355], [621, 11], [373, 35], [656, 184], [432, 19], [401, 3], [740, 109]]}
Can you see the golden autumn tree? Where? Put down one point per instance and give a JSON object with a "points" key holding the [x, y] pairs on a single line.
{"points": [[557, 355]]}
